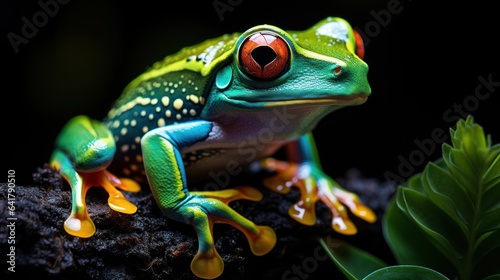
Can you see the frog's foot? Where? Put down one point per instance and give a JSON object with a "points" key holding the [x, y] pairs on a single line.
{"points": [[314, 185], [79, 223], [203, 209]]}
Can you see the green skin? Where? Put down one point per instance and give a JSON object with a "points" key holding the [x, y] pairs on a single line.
{"points": [[201, 112]]}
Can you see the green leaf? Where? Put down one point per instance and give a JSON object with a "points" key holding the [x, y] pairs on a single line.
{"points": [[490, 200], [493, 277], [487, 244], [488, 266], [406, 272], [462, 169], [489, 221], [352, 261], [470, 138], [415, 183], [491, 177], [409, 243], [445, 192], [454, 204], [446, 236]]}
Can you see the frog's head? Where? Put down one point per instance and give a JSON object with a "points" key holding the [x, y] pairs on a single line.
{"points": [[272, 67]]}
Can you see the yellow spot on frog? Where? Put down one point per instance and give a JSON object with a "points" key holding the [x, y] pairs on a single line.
{"points": [[178, 116], [193, 98], [192, 112], [145, 129], [165, 101], [124, 148], [143, 113], [126, 122], [154, 101], [123, 131], [161, 122], [129, 105], [137, 139], [178, 104], [133, 123], [168, 113], [151, 116]]}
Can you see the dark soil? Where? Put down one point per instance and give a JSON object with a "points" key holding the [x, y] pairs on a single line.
{"points": [[147, 245]]}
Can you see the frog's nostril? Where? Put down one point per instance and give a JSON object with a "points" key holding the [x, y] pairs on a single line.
{"points": [[337, 70]]}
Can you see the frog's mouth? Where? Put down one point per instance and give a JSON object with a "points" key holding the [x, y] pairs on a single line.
{"points": [[346, 100], [338, 100]]}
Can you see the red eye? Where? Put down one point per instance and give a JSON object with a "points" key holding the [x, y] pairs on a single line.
{"points": [[360, 48], [264, 56]]}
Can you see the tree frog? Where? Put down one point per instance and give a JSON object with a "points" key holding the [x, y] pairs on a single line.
{"points": [[217, 108]]}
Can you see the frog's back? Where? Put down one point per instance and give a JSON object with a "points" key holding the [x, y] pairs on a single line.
{"points": [[173, 90]]}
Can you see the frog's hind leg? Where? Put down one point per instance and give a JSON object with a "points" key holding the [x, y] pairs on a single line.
{"points": [[208, 208], [167, 177], [79, 222], [84, 149]]}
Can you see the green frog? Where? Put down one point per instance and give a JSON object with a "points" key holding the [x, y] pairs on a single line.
{"points": [[210, 112]]}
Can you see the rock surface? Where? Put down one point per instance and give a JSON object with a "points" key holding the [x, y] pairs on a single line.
{"points": [[147, 245]]}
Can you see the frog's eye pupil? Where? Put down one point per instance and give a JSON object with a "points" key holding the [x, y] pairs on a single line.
{"points": [[264, 56]]}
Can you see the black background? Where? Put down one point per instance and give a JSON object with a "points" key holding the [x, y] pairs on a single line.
{"points": [[424, 59]]}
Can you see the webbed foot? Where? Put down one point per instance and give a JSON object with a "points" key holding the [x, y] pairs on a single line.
{"points": [[314, 185], [203, 209], [79, 222]]}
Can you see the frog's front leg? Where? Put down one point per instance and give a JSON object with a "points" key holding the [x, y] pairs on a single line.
{"points": [[166, 175], [304, 172], [84, 149]]}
